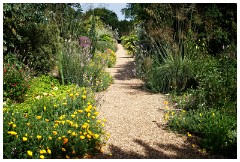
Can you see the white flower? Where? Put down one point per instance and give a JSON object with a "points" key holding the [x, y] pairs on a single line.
{"points": [[55, 88]]}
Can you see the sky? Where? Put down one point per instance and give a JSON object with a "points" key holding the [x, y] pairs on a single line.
{"points": [[115, 7]]}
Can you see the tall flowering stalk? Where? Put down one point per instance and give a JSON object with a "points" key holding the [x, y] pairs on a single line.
{"points": [[84, 42]]}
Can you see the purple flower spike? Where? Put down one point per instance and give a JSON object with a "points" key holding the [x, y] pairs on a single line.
{"points": [[84, 42]]}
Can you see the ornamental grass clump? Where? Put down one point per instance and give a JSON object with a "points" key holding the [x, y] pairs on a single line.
{"points": [[55, 128]]}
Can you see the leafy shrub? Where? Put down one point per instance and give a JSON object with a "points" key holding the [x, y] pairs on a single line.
{"points": [[129, 43], [15, 83], [216, 128], [103, 45], [108, 57], [112, 58], [42, 84], [172, 74], [217, 82], [79, 67], [54, 127]]}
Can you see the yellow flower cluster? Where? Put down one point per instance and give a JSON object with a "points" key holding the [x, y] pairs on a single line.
{"points": [[73, 122]]}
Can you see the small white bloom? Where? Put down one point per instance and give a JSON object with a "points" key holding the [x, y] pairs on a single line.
{"points": [[55, 88]]}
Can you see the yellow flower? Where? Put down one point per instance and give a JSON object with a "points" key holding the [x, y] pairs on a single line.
{"points": [[83, 96], [12, 133], [71, 95], [26, 135], [28, 124], [70, 122], [49, 151], [54, 132], [80, 111], [87, 110], [82, 137], [165, 102], [55, 105], [14, 125], [96, 135], [69, 131], [74, 134], [29, 153], [103, 124], [24, 139], [49, 137], [88, 114], [42, 151], [88, 136], [189, 135], [61, 117], [47, 120], [93, 117], [200, 114], [67, 157], [59, 138], [63, 149], [44, 108], [183, 111], [73, 116], [77, 94], [10, 123], [96, 113], [39, 137], [41, 157], [85, 125], [64, 103], [88, 121], [38, 117], [75, 125], [63, 122], [104, 120]]}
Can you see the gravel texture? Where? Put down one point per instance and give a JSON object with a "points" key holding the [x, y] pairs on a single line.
{"points": [[134, 121]]}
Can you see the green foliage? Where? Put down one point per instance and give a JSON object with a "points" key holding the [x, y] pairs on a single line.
{"points": [[173, 74], [106, 40], [216, 128], [108, 57], [125, 27], [129, 43], [217, 82], [80, 68], [29, 36], [108, 17], [42, 84], [54, 127], [15, 80], [103, 45]]}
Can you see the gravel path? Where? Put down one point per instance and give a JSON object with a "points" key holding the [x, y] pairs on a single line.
{"points": [[134, 121]]}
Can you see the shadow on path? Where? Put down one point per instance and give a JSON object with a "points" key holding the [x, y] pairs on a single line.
{"points": [[184, 152], [125, 71]]}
